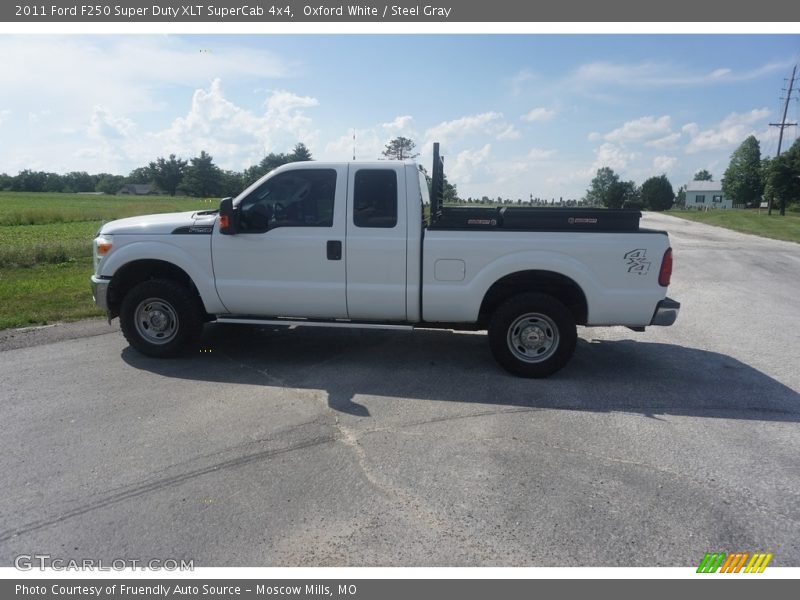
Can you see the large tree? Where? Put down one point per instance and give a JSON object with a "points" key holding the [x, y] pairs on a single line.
{"points": [[742, 180], [601, 186], [168, 173], [784, 176], [203, 178], [108, 183], [400, 148], [607, 189], [300, 153], [703, 175], [657, 193], [623, 194], [140, 175]]}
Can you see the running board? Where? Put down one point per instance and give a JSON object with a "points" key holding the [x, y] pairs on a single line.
{"points": [[308, 323]]}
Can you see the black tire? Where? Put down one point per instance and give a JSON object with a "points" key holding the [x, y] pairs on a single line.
{"points": [[532, 335], [160, 317]]}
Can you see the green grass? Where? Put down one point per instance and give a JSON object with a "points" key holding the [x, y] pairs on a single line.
{"points": [[46, 250], [46, 293], [26, 208], [749, 221]]}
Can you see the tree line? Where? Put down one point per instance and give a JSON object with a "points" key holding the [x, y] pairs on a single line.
{"points": [[198, 176], [748, 181]]}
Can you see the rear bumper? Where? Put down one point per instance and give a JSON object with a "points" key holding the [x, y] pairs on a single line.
{"points": [[100, 292], [666, 312]]}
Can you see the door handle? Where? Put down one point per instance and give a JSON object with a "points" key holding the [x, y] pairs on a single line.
{"points": [[334, 250]]}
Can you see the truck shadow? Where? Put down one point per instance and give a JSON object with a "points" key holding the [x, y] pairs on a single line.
{"points": [[355, 367]]}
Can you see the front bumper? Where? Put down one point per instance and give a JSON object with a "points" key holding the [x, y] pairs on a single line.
{"points": [[100, 292], [666, 312]]}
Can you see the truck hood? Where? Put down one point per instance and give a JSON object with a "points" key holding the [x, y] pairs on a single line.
{"points": [[160, 224]]}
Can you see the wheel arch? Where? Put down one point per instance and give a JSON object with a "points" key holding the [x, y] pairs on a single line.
{"points": [[554, 284], [132, 273]]}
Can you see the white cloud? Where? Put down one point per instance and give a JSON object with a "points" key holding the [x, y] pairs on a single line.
{"points": [[540, 154], [640, 129], [399, 125], [690, 128], [4, 114], [649, 74], [719, 73], [611, 155], [103, 124], [662, 164], [483, 123], [467, 162], [509, 133], [539, 114], [236, 137], [732, 130], [668, 141]]}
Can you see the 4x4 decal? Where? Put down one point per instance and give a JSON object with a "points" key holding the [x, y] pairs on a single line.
{"points": [[637, 262]]}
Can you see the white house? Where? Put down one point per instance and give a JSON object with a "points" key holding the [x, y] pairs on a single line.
{"points": [[706, 195]]}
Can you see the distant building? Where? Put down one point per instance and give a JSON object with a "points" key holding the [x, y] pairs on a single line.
{"points": [[706, 195], [138, 189]]}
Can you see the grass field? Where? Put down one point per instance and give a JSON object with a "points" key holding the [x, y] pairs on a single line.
{"points": [[749, 221], [46, 250]]}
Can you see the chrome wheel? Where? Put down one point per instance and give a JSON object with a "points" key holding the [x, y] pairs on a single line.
{"points": [[156, 321], [533, 337]]}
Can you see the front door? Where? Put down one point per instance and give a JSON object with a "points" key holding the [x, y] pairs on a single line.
{"points": [[288, 258]]}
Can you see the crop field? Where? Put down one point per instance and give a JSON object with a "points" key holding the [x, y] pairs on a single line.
{"points": [[46, 250]]}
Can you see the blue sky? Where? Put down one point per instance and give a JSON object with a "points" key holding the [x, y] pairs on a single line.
{"points": [[516, 114]]}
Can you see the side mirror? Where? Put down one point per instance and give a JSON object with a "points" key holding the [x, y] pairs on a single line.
{"points": [[227, 217]]}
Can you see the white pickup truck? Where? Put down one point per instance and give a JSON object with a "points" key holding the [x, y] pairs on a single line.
{"points": [[347, 245]]}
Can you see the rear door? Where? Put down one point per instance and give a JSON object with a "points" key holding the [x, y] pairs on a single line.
{"points": [[376, 243], [294, 266]]}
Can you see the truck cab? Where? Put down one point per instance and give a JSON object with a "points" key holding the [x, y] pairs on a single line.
{"points": [[322, 240]]}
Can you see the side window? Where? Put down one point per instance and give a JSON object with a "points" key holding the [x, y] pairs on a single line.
{"points": [[375, 198], [301, 198]]}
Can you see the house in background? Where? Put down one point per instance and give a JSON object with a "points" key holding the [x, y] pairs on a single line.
{"points": [[706, 195], [138, 189]]}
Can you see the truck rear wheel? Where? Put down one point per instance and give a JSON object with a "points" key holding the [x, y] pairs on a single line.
{"points": [[532, 335], [160, 317]]}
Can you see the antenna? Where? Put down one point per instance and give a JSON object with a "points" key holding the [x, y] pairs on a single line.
{"points": [[354, 144]]}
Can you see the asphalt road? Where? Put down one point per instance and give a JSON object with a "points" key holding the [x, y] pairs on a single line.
{"points": [[365, 448]]}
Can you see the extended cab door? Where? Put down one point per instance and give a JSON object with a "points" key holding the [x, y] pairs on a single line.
{"points": [[287, 258], [376, 243]]}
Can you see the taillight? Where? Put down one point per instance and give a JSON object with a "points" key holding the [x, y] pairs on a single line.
{"points": [[666, 268]]}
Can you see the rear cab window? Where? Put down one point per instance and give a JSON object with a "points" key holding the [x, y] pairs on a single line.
{"points": [[375, 198]]}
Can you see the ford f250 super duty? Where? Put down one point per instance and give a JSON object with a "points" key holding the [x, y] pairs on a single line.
{"points": [[347, 245]]}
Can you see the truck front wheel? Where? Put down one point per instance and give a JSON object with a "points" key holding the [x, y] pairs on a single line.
{"points": [[160, 317], [532, 335]]}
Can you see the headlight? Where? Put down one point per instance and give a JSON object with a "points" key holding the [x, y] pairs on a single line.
{"points": [[102, 246]]}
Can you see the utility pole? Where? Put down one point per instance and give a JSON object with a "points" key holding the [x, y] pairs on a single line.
{"points": [[783, 125]]}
